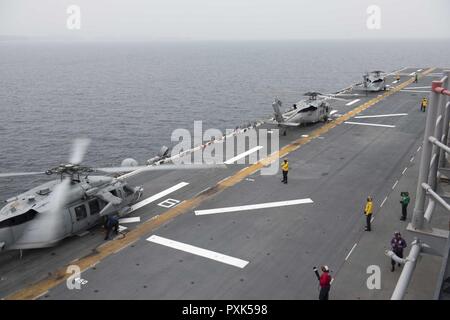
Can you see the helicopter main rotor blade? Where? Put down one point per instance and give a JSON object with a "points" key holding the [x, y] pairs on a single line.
{"points": [[332, 97], [79, 150], [16, 174], [160, 167], [58, 199]]}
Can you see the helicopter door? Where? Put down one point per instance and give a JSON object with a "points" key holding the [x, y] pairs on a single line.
{"points": [[79, 217], [95, 206]]}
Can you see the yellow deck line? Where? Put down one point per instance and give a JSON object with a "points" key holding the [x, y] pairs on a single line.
{"points": [[109, 248]]}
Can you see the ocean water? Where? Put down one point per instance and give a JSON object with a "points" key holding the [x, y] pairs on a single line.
{"points": [[128, 97]]}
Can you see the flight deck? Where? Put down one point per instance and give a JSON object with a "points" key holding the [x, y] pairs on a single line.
{"points": [[232, 233]]}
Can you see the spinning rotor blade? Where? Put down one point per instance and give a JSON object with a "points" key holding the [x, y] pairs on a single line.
{"points": [[16, 174], [79, 150], [160, 167], [58, 199]]}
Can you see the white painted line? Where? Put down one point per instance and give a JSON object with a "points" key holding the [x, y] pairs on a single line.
{"points": [[198, 251], [419, 70], [158, 196], [418, 149], [332, 279], [250, 179], [415, 91], [348, 255], [333, 112], [371, 220], [370, 124], [412, 73], [226, 178], [122, 228], [352, 102], [393, 82], [242, 155], [254, 206], [382, 115], [130, 220], [425, 87], [385, 198], [305, 136], [404, 170], [395, 184], [412, 159], [39, 296]]}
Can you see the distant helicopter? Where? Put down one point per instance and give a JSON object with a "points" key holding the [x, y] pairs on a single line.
{"points": [[77, 201], [374, 81], [314, 109]]}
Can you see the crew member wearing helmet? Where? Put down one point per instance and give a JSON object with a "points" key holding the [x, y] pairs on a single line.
{"points": [[397, 244], [325, 283]]}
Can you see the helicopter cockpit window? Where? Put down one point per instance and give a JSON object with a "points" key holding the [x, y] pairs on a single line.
{"points": [[94, 207], [14, 221], [80, 212], [114, 192], [310, 108]]}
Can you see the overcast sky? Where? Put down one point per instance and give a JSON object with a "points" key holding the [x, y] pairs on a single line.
{"points": [[226, 19]]}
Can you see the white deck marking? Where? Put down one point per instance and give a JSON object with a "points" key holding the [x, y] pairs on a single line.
{"points": [[419, 70], [254, 206], [353, 248], [198, 251], [130, 220], [404, 170], [242, 155], [370, 124], [158, 196], [412, 73], [395, 184], [425, 87], [393, 82], [412, 159], [122, 228], [352, 102], [415, 91], [371, 220], [305, 135], [382, 115], [418, 149], [385, 198]]}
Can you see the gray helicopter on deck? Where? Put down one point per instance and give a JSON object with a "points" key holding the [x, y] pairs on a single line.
{"points": [[374, 81], [311, 110], [74, 202]]}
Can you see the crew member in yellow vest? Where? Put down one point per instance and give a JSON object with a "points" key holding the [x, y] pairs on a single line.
{"points": [[285, 169], [423, 104], [368, 210]]}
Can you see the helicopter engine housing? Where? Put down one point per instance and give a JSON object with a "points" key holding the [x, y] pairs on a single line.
{"points": [[129, 162]]}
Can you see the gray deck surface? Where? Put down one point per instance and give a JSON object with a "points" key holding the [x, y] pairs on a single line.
{"points": [[337, 170]]}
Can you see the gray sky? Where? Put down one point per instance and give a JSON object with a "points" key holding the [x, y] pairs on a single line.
{"points": [[226, 19]]}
